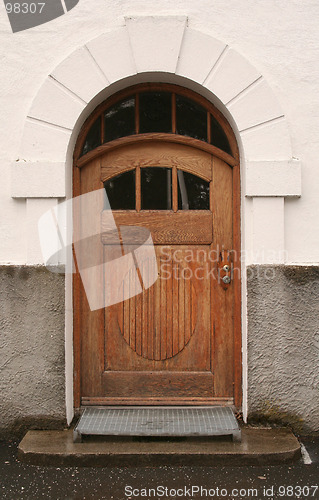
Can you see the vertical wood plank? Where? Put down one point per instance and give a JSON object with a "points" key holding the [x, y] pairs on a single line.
{"points": [[92, 322], [169, 307], [222, 204], [237, 289], [188, 309], [157, 319], [145, 312], [150, 332], [181, 309], [175, 286], [194, 299], [120, 310], [77, 301], [132, 301], [223, 327], [164, 318], [126, 311], [138, 325]]}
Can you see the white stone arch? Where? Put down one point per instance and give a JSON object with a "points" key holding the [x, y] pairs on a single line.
{"points": [[166, 45], [162, 45]]}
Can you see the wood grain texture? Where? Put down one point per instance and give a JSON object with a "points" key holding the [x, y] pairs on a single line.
{"points": [[184, 332], [156, 154], [152, 401], [135, 140], [236, 259], [167, 228], [152, 339], [76, 288], [160, 330], [165, 384], [223, 312], [92, 322], [222, 207]]}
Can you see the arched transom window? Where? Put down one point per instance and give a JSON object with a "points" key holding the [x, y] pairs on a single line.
{"points": [[162, 111]]}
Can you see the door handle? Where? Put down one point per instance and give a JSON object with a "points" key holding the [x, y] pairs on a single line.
{"points": [[225, 269], [226, 279]]}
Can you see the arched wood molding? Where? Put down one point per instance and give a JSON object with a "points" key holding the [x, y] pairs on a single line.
{"points": [[156, 44]]}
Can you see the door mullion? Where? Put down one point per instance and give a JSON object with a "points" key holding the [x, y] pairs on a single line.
{"points": [[174, 189], [138, 189]]}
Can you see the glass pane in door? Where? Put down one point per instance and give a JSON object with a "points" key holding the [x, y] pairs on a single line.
{"points": [[156, 188], [120, 191], [193, 192]]}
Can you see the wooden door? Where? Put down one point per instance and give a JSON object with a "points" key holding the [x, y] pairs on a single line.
{"points": [[174, 342]]}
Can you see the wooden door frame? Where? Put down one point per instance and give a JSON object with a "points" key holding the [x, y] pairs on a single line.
{"points": [[232, 160]]}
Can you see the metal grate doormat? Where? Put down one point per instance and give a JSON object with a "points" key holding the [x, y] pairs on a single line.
{"points": [[157, 421]]}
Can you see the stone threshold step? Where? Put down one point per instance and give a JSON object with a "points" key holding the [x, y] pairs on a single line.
{"points": [[257, 447]]}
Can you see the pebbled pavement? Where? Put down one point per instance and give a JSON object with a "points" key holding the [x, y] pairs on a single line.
{"points": [[21, 481]]}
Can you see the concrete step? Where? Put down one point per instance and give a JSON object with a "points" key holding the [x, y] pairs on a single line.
{"points": [[257, 447]]}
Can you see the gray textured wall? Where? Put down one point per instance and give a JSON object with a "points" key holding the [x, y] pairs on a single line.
{"points": [[32, 378], [283, 345]]}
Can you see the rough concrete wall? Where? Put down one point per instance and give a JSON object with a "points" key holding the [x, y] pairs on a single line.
{"points": [[283, 345], [32, 378]]}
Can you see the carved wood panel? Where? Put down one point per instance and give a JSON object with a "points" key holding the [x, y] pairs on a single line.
{"points": [[147, 326]]}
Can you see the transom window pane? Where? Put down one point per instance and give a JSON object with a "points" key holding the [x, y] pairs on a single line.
{"points": [[155, 112], [156, 188], [120, 191], [218, 136], [93, 138], [191, 118], [119, 120], [193, 192]]}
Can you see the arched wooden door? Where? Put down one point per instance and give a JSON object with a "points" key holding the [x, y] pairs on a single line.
{"points": [[177, 341]]}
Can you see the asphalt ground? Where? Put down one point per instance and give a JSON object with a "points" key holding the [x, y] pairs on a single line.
{"points": [[299, 480]]}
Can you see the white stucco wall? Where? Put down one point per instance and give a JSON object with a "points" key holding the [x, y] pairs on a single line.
{"points": [[280, 42]]}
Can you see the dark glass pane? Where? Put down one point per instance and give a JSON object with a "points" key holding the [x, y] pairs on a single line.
{"points": [[218, 136], [119, 120], [155, 112], [93, 138], [191, 118], [120, 191], [193, 192], [156, 188]]}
